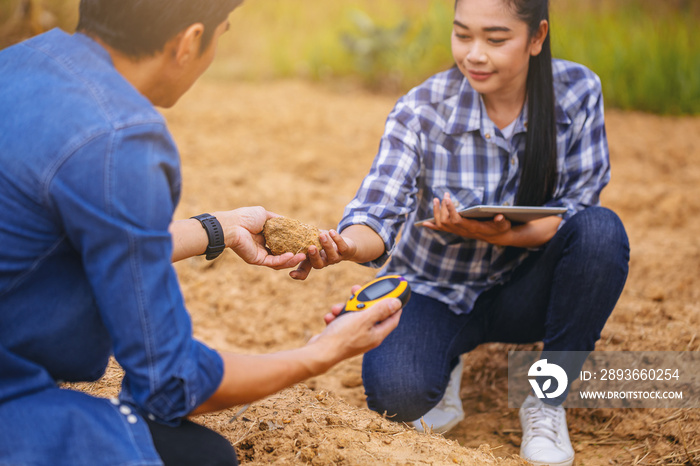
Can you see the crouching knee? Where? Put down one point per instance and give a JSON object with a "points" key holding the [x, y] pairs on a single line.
{"points": [[599, 233], [397, 397]]}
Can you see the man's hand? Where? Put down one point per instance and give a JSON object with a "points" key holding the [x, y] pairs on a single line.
{"points": [[358, 332], [338, 308], [243, 234], [251, 377]]}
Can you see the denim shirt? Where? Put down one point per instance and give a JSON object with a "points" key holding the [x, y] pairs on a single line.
{"points": [[89, 180]]}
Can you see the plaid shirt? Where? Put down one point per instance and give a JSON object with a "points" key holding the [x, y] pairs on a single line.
{"points": [[439, 139]]}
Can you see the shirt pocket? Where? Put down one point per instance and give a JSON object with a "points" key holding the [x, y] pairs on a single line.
{"points": [[462, 198]]}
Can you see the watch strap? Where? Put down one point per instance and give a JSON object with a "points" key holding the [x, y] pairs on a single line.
{"points": [[215, 234]]}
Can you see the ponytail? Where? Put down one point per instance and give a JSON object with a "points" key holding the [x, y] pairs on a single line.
{"points": [[538, 174]]}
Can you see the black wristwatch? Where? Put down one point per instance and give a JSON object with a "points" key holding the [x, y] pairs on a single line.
{"points": [[215, 234]]}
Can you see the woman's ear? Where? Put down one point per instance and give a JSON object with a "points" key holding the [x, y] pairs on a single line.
{"points": [[186, 45], [538, 38]]}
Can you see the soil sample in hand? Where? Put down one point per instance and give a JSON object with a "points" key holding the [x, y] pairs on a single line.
{"points": [[288, 235]]}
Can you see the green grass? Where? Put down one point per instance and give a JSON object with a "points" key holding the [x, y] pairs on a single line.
{"points": [[647, 60]]}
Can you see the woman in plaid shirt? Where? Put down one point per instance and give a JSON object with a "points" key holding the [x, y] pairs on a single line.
{"points": [[508, 125]]}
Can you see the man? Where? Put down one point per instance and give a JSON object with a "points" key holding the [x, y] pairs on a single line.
{"points": [[89, 182]]}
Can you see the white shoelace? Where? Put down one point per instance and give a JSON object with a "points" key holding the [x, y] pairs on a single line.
{"points": [[544, 421]]}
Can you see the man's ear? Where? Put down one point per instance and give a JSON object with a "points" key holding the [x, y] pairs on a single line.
{"points": [[186, 45], [538, 39]]}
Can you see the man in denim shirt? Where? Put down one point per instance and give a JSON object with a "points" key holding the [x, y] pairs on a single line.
{"points": [[89, 182]]}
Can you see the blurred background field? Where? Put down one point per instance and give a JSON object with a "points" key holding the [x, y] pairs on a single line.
{"points": [[647, 52]]}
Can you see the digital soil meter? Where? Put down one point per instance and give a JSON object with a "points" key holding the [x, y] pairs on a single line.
{"points": [[389, 286]]}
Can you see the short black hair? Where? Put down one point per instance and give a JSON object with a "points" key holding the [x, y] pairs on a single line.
{"points": [[142, 27]]}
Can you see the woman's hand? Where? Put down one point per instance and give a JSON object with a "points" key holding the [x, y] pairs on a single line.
{"points": [[446, 218], [498, 231], [335, 248]]}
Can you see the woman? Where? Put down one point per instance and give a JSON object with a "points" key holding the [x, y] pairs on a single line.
{"points": [[508, 125]]}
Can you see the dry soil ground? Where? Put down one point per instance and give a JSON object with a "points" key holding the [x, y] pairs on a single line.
{"points": [[301, 150]]}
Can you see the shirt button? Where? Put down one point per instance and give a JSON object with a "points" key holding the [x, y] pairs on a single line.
{"points": [[125, 410], [487, 136], [131, 419], [114, 401], [506, 204], [512, 161]]}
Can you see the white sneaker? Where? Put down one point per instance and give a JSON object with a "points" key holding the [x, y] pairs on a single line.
{"points": [[545, 434], [448, 412]]}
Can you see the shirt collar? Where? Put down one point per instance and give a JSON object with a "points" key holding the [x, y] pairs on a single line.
{"points": [[467, 112], [94, 46]]}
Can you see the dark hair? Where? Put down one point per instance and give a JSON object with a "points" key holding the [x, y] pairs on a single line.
{"points": [[538, 164], [142, 27]]}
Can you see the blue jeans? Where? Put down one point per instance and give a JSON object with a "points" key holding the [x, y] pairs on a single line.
{"points": [[562, 295]]}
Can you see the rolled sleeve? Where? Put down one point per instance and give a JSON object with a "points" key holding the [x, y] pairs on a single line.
{"points": [[185, 389], [116, 196], [387, 194]]}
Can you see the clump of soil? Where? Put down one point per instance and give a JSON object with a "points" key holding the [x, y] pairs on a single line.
{"points": [[284, 234]]}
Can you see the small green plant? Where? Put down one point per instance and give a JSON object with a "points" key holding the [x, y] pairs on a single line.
{"points": [[400, 55], [374, 48]]}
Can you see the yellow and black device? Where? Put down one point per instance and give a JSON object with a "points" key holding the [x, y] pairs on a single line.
{"points": [[389, 286]]}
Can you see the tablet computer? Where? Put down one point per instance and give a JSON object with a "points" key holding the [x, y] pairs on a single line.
{"points": [[516, 214]]}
